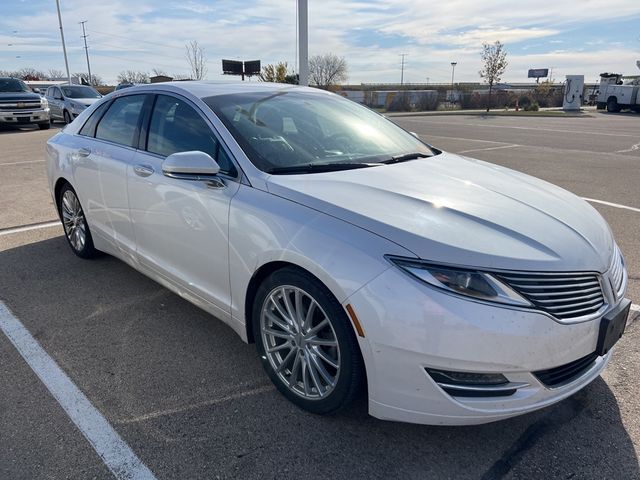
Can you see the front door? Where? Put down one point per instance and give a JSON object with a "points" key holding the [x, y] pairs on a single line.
{"points": [[181, 226]]}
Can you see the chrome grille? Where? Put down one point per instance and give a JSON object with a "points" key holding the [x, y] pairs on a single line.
{"points": [[19, 105], [617, 273], [564, 295]]}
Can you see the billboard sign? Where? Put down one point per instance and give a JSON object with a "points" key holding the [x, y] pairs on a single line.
{"points": [[252, 67], [538, 73], [232, 67]]}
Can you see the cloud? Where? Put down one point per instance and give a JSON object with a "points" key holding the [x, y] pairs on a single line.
{"points": [[152, 33]]}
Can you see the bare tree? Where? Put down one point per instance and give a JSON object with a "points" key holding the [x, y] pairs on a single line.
{"points": [[55, 73], [96, 80], [197, 60], [29, 73], [327, 70], [131, 76], [494, 59], [278, 73], [158, 72]]}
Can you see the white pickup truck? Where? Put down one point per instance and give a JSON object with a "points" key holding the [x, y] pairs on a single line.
{"points": [[615, 94]]}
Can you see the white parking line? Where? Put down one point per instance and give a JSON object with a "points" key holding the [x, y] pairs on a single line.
{"points": [[20, 163], [207, 403], [617, 205], [439, 122], [489, 148], [26, 228], [632, 149], [113, 451]]}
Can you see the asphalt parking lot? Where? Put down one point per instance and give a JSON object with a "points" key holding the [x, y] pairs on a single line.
{"points": [[191, 400]]}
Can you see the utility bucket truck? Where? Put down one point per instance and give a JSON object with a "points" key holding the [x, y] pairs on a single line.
{"points": [[616, 93]]}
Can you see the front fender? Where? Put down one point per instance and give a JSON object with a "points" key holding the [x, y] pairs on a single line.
{"points": [[265, 228]]}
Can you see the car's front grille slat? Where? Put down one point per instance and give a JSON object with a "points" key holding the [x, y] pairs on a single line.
{"points": [[566, 296], [557, 376], [556, 300], [552, 286], [565, 293]]}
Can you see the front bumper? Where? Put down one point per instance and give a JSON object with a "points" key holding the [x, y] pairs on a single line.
{"points": [[26, 117], [410, 327]]}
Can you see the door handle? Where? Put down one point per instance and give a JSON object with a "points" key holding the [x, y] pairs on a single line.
{"points": [[84, 152], [143, 170]]}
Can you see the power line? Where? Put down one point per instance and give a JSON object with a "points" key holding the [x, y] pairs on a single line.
{"points": [[155, 64], [137, 40], [402, 68]]}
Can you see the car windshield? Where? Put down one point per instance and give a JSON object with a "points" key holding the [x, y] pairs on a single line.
{"points": [[294, 131], [13, 85], [80, 92]]}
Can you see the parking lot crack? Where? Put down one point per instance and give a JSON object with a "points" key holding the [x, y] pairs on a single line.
{"points": [[563, 413]]}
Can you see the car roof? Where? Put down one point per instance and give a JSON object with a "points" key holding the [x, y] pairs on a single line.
{"points": [[202, 89]]}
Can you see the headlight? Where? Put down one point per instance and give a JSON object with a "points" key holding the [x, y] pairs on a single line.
{"points": [[78, 107], [468, 283], [43, 102]]}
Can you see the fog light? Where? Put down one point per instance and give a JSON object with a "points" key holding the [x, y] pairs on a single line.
{"points": [[467, 378]]}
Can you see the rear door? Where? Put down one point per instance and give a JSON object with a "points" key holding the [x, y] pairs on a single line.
{"points": [[102, 169], [181, 226]]}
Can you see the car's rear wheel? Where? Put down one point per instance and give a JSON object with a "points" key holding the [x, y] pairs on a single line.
{"points": [[75, 224], [306, 342], [67, 117]]}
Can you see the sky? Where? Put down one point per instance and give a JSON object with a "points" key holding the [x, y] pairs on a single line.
{"points": [[568, 36]]}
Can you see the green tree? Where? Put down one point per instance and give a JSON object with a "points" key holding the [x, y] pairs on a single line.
{"points": [[494, 64], [278, 73]]}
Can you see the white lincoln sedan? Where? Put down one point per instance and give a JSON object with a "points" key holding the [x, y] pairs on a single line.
{"points": [[357, 257]]}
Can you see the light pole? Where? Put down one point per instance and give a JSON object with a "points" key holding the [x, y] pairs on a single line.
{"points": [[303, 43], [453, 71], [64, 48]]}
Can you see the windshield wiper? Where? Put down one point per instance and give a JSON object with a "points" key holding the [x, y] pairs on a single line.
{"points": [[320, 167], [406, 157]]}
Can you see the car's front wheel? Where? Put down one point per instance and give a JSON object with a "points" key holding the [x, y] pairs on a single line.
{"points": [[67, 117], [306, 342], [75, 224]]}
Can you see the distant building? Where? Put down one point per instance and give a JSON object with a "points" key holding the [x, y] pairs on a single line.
{"points": [[160, 79]]}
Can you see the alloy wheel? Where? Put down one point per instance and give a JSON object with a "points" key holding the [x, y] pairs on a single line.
{"points": [[73, 219], [300, 342]]}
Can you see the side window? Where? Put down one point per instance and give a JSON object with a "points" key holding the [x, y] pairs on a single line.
{"points": [[177, 127], [120, 123], [89, 127]]}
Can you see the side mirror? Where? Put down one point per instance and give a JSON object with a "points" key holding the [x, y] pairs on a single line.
{"points": [[194, 165], [36, 90]]}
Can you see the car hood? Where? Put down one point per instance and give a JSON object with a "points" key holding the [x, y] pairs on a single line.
{"points": [[461, 211], [84, 101], [19, 96]]}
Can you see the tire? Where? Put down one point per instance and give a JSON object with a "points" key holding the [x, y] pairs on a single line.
{"points": [[44, 126], [75, 225], [336, 375], [67, 117], [612, 105]]}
